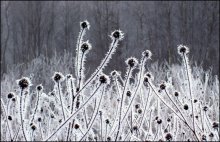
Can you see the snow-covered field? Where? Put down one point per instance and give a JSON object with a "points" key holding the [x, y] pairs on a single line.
{"points": [[157, 102]]}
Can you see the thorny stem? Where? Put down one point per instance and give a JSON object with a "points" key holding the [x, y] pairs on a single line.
{"points": [[61, 101], [122, 98], [191, 97], [107, 57], [36, 106], [93, 118], [73, 114], [21, 116]]}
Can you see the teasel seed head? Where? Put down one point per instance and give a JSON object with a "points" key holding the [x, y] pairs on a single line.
{"points": [[86, 46], [11, 95], [117, 35], [24, 83], [205, 108], [9, 118], [182, 49], [128, 93], [186, 107], [168, 137], [39, 87], [215, 125], [58, 77], [147, 54], [137, 106], [85, 24], [104, 79], [132, 62]]}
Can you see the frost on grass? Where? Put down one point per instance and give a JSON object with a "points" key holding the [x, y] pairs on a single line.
{"points": [[177, 102]]}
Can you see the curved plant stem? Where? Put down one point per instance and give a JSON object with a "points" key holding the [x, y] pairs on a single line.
{"points": [[61, 101], [21, 116], [36, 106]]}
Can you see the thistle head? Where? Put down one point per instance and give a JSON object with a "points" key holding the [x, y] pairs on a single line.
{"points": [[24, 83], [58, 77], [39, 87], [85, 25], [117, 35], [132, 62], [147, 54], [104, 79], [86, 46], [11, 95], [182, 49]]}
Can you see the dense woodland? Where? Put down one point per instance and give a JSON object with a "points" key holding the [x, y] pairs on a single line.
{"points": [[41, 28]]}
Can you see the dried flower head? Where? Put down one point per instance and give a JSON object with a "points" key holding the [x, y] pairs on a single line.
{"points": [[68, 76], [176, 94], [168, 137], [162, 86], [131, 62], [215, 125], [117, 35], [182, 49], [104, 79], [9, 117], [85, 24], [205, 108], [159, 121], [137, 106], [86, 46], [58, 77], [107, 121], [109, 139], [39, 87], [139, 111], [128, 93], [39, 119], [147, 54], [24, 83], [211, 135], [33, 127], [186, 107], [76, 126], [11, 95]]}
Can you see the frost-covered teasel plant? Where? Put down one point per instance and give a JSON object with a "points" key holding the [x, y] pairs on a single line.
{"points": [[148, 102]]}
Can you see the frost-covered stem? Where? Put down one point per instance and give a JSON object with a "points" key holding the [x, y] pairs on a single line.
{"points": [[73, 114], [156, 132], [190, 89], [81, 70], [93, 113], [137, 88], [78, 49], [122, 98], [101, 66], [61, 101], [16, 134], [101, 126], [21, 115], [36, 106], [41, 133], [6, 115], [173, 111], [149, 124]]}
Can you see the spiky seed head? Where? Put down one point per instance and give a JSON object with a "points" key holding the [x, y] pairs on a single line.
{"points": [[68, 76], [205, 108], [85, 24], [162, 86], [195, 100], [115, 73], [107, 121], [86, 46], [211, 135], [176, 94], [76, 126], [9, 117], [117, 35], [159, 121], [39, 119], [33, 127], [137, 106], [13, 99], [135, 128], [147, 54], [186, 107], [11, 95], [24, 83], [182, 49], [131, 62], [58, 77], [168, 137], [104, 79], [109, 139], [204, 137], [215, 125], [140, 111], [39, 87], [128, 93]]}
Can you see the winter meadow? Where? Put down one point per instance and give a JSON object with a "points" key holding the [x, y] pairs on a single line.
{"points": [[154, 103]]}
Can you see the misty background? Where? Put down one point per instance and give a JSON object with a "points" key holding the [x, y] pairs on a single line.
{"points": [[30, 29]]}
